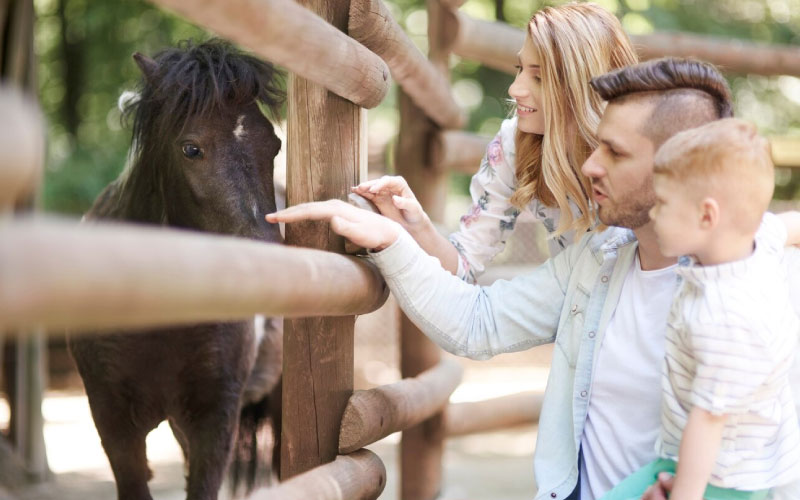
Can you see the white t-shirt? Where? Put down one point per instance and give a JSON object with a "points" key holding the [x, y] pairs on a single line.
{"points": [[624, 406]]}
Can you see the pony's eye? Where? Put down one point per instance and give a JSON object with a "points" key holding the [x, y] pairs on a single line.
{"points": [[191, 151]]}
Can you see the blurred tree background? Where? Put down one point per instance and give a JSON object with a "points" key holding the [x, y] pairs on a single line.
{"points": [[84, 53]]}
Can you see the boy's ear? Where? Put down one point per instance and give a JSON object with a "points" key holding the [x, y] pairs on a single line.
{"points": [[709, 213]]}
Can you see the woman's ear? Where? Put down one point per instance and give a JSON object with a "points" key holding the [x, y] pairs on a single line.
{"points": [[709, 213]]}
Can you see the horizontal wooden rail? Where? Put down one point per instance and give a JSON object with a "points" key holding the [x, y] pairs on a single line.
{"points": [[372, 24], [58, 274], [375, 413], [288, 34], [493, 414], [496, 45], [460, 151], [358, 476], [22, 146]]}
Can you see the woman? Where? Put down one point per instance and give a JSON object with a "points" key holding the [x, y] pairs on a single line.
{"points": [[534, 161]]}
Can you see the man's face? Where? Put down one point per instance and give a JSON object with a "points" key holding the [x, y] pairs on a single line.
{"points": [[621, 168]]}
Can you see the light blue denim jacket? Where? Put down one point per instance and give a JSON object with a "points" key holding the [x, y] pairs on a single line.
{"points": [[567, 300]]}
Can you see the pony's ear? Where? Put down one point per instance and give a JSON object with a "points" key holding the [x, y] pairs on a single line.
{"points": [[147, 65]]}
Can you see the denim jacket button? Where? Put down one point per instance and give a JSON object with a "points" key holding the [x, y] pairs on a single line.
{"points": [[604, 279], [583, 394], [553, 495], [591, 335], [575, 308]]}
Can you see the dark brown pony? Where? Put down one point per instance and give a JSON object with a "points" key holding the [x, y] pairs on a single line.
{"points": [[201, 159]]}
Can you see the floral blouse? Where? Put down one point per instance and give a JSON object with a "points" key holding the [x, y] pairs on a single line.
{"points": [[486, 227]]}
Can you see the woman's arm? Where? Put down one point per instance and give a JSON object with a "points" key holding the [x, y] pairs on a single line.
{"points": [[396, 201]]}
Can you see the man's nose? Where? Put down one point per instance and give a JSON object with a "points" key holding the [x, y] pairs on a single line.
{"points": [[591, 168]]}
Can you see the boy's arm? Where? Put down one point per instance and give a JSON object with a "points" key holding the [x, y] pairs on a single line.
{"points": [[698, 453], [792, 222]]}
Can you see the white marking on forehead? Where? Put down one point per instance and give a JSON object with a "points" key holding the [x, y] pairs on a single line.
{"points": [[239, 130]]}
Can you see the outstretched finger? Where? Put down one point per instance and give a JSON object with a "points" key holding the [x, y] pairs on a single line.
{"points": [[318, 210]]}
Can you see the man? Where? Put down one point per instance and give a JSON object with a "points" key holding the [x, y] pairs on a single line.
{"points": [[603, 300]]}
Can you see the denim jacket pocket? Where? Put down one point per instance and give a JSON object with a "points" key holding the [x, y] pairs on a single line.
{"points": [[570, 328]]}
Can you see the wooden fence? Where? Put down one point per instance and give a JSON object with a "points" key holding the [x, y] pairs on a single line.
{"points": [[54, 274]]}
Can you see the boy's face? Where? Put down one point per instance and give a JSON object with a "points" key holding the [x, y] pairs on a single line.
{"points": [[676, 218]]}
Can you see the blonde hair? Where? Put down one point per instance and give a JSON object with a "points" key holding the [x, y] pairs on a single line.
{"points": [[727, 160], [574, 42]]}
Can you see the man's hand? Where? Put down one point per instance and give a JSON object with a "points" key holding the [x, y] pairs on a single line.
{"points": [[661, 488], [364, 228]]}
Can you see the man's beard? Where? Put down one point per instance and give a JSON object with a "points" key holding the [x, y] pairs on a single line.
{"points": [[633, 213]]}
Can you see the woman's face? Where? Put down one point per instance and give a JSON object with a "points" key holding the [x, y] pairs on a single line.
{"points": [[527, 90]]}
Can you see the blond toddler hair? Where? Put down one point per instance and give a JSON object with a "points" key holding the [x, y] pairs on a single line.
{"points": [[726, 160]]}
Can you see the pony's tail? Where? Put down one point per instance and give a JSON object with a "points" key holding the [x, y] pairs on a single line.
{"points": [[257, 450]]}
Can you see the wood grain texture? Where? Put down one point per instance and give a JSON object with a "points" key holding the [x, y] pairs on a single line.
{"points": [[358, 476], [326, 151], [22, 144], [496, 45], [372, 24], [374, 414], [59, 274], [284, 32], [493, 414], [458, 151]]}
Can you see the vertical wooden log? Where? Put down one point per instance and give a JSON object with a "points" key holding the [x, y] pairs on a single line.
{"points": [[25, 363], [422, 446], [326, 148]]}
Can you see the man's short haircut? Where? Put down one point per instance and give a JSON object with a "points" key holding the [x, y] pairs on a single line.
{"points": [[727, 160], [685, 93]]}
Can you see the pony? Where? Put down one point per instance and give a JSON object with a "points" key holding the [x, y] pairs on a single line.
{"points": [[202, 159]]}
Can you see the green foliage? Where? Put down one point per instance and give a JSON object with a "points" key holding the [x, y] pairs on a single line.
{"points": [[84, 51]]}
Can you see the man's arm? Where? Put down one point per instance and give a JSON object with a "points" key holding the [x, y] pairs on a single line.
{"points": [[698, 453], [464, 319]]}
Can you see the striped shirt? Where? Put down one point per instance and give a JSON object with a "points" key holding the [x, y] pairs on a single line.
{"points": [[731, 338]]}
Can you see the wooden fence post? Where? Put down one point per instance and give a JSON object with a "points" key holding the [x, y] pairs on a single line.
{"points": [[422, 446], [24, 369], [326, 148]]}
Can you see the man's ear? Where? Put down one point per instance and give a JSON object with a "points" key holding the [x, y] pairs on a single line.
{"points": [[709, 213]]}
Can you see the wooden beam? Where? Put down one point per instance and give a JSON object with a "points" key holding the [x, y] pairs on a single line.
{"points": [[496, 45], [358, 476], [374, 414], [22, 144], [458, 151], [732, 56], [785, 151], [372, 24], [59, 274], [273, 29], [493, 414], [327, 154]]}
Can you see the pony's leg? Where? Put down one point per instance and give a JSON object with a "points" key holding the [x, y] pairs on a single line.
{"points": [[210, 435], [124, 444]]}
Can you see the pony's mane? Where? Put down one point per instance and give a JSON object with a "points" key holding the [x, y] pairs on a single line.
{"points": [[187, 81], [196, 80]]}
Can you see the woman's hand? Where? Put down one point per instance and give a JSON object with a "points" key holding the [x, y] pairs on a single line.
{"points": [[362, 227], [396, 201]]}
